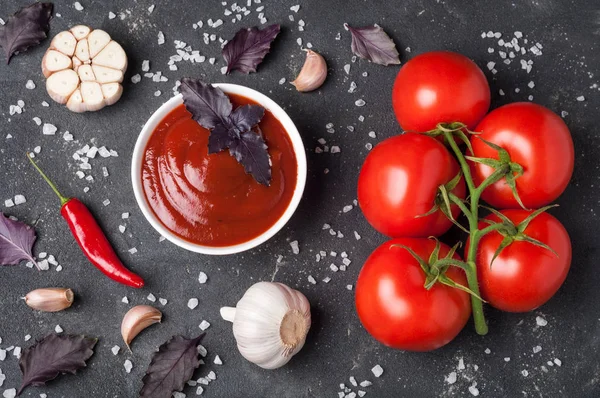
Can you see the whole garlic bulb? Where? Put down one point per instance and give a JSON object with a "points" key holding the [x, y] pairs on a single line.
{"points": [[270, 323]]}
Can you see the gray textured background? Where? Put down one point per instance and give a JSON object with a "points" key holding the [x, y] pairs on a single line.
{"points": [[337, 346]]}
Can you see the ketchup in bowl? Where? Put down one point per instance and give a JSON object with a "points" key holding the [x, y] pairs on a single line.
{"points": [[209, 199]]}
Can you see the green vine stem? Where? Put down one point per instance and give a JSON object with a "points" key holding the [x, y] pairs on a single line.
{"points": [[475, 234]]}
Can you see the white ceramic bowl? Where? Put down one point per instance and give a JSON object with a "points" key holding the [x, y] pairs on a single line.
{"points": [[140, 147]]}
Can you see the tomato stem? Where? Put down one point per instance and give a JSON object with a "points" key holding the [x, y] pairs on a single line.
{"points": [[475, 234]]}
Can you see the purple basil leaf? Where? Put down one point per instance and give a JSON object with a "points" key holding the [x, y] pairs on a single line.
{"points": [[247, 116], [53, 355], [220, 137], [248, 48], [171, 367], [372, 43], [28, 27], [16, 241], [251, 152], [208, 105]]}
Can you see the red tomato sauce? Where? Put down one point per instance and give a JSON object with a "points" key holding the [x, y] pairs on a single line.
{"points": [[209, 199]]}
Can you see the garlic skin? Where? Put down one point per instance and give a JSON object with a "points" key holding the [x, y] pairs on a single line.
{"points": [[313, 73], [51, 299], [270, 323], [137, 319]]}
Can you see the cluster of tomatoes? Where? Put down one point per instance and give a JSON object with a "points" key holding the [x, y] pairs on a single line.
{"points": [[410, 293]]}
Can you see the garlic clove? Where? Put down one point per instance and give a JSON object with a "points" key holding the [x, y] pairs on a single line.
{"points": [[97, 40], [313, 73], [61, 85], [137, 319], [50, 299], [64, 42], [270, 323], [54, 61], [80, 31]]}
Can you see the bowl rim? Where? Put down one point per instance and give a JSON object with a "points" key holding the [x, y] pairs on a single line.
{"points": [[157, 117]]}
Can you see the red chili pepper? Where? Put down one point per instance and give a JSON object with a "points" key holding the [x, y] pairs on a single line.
{"points": [[91, 238]]}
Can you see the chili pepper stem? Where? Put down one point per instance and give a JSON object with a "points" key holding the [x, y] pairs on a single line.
{"points": [[63, 199]]}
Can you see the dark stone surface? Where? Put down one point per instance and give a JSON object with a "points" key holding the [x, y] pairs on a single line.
{"points": [[337, 346]]}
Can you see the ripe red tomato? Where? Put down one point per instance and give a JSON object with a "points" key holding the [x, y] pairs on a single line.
{"points": [[523, 276], [398, 183], [397, 310], [440, 87], [537, 139]]}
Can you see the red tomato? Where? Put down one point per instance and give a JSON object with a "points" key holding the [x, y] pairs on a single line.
{"points": [[537, 139], [440, 87], [397, 310], [523, 276], [398, 183]]}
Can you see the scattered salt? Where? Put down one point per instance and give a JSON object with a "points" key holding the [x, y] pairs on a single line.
{"points": [[10, 393], [377, 371], [295, 247], [58, 329], [525, 373], [124, 216], [20, 199], [151, 297], [204, 325], [581, 98], [125, 300], [473, 389], [537, 349], [360, 102], [111, 15], [128, 365], [163, 301], [312, 280], [218, 361], [540, 321], [30, 85], [78, 6], [49, 129], [202, 278], [192, 303], [451, 378], [115, 350], [106, 202]]}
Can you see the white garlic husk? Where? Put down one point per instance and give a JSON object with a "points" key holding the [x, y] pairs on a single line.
{"points": [[270, 323]]}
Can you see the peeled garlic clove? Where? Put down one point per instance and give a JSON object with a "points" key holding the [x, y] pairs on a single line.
{"points": [[313, 73], [62, 84], [137, 319], [54, 61], [270, 323], [50, 299]]}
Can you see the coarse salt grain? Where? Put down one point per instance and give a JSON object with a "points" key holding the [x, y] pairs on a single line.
{"points": [[111, 15], [451, 378], [473, 389], [217, 360], [360, 102], [377, 370], [312, 280], [192, 303], [20, 199], [78, 6], [151, 297], [202, 277], [204, 325], [540, 321], [295, 247], [49, 129], [30, 85], [128, 365], [58, 329], [163, 301], [125, 300], [10, 393], [115, 350], [347, 208], [581, 98], [133, 250], [537, 349]]}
